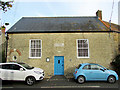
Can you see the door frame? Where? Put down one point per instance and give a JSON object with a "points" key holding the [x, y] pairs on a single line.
{"points": [[54, 64]]}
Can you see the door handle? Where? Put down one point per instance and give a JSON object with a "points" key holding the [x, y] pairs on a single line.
{"points": [[12, 72]]}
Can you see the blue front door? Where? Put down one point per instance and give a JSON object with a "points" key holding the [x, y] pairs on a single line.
{"points": [[58, 65]]}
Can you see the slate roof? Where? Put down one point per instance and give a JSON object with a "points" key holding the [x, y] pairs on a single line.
{"points": [[114, 27], [57, 24]]}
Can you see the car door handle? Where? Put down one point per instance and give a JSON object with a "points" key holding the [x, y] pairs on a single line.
{"points": [[12, 72]]}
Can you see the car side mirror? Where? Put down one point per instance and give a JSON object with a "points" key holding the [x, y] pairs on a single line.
{"points": [[102, 69], [21, 69]]}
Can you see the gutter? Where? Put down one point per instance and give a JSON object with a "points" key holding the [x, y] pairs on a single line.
{"points": [[62, 32]]}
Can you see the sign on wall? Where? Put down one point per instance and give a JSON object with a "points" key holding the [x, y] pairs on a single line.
{"points": [[59, 45]]}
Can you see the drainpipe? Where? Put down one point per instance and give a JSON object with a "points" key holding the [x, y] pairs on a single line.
{"points": [[110, 24], [7, 38]]}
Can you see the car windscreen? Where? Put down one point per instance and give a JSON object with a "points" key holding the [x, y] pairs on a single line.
{"points": [[78, 66], [26, 66]]}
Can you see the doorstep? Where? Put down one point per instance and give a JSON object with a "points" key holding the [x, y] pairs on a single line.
{"points": [[58, 78]]}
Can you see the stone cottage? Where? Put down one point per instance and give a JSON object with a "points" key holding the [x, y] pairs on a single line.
{"points": [[59, 44]]}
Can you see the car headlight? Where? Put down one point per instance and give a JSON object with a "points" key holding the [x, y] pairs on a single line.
{"points": [[37, 72]]}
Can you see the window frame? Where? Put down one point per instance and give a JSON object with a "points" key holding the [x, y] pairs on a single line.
{"points": [[30, 49], [77, 48]]}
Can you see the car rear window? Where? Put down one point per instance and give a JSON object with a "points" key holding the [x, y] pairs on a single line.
{"points": [[79, 66]]}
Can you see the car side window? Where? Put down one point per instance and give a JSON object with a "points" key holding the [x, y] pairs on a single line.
{"points": [[10, 67], [15, 67], [5, 66], [0, 66], [86, 67], [79, 66], [95, 67]]}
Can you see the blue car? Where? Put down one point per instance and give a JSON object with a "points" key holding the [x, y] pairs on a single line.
{"points": [[94, 72]]}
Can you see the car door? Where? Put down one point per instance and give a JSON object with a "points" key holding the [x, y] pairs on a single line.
{"points": [[17, 73], [6, 72], [87, 72], [96, 73]]}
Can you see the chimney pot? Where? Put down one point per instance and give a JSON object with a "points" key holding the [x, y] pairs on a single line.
{"points": [[3, 29], [99, 14]]}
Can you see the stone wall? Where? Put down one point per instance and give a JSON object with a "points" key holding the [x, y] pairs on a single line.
{"points": [[103, 47]]}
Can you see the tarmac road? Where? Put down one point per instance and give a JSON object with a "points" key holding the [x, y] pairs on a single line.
{"points": [[60, 82]]}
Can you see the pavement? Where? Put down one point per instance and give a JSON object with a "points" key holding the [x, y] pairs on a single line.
{"points": [[60, 82]]}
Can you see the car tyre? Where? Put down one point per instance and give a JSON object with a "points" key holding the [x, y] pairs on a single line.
{"points": [[30, 81], [111, 79], [81, 79]]}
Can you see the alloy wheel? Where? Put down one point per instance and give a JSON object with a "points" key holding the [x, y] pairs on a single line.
{"points": [[81, 79], [30, 81], [111, 79]]}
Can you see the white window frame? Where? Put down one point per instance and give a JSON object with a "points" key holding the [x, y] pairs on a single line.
{"points": [[88, 48], [30, 48]]}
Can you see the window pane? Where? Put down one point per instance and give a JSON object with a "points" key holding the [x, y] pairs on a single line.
{"points": [[79, 45], [34, 44], [37, 44], [85, 52], [85, 45], [32, 50], [32, 54], [38, 54], [38, 50]]}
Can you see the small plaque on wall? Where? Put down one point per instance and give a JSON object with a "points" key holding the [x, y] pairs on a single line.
{"points": [[59, 45]]}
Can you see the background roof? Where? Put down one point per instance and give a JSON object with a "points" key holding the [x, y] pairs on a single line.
{"points": [[57, 24]]}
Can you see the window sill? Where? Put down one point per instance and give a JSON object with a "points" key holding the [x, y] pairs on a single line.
{"points": [[34, 57], [83, 57]]}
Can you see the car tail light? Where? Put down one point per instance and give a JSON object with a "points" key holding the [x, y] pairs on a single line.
{"points": [[75, 72]]}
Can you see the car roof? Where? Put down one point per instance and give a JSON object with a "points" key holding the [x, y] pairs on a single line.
{"points": [[13, 62], [88, 63], [8, 63]]}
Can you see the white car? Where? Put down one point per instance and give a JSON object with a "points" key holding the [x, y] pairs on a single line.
{"points": [[18, 71]]}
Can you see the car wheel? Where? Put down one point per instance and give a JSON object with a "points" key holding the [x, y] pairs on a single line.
{"points": [[111, 79], [81, 79], [30, 81]]}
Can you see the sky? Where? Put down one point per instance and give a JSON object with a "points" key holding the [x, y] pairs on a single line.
{"points": [[57, 8]]}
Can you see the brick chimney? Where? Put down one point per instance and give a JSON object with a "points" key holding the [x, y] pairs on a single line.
{"points": [[3, 29], [99, 14], [3, 33]]}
